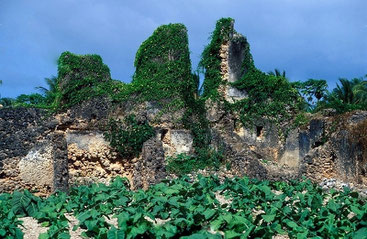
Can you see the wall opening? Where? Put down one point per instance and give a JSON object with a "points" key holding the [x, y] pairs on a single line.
{"points": [[259, 131], [163, 133]]}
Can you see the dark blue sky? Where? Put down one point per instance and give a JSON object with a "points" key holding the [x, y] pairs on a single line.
{"points": [[324, 39]]}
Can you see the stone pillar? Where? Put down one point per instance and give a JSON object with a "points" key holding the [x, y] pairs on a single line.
{"points": [[60, 162], [150, 169]]}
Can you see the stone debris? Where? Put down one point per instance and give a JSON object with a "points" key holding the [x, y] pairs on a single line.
{"points": [[73, 222], [31, 228]]}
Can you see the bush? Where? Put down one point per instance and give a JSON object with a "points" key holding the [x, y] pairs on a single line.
{"points": [[128, 136], [81, 77], [184, 164]]}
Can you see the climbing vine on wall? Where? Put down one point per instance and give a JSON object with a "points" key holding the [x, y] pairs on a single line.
{"points": [[272, 97], [128, 136], [81, 77], [163, 66], [269, 96], [210, 58]]}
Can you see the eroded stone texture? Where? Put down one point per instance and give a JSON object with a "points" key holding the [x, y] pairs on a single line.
{"points": [[36, 167], [176, 142], [60, 161], [291, 156], [20, 130], [91, 159], [150, 168], [232, 54]]}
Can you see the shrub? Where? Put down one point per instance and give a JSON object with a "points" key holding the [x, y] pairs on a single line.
{"points": [[128, 136], [81, 77], [184, 164]]}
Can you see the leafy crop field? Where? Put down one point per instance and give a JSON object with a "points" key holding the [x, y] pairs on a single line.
{"points": [[203, 208]]}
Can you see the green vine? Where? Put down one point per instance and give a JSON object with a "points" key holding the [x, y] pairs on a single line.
{"points": [[210, 58], [270, 97], [163, 66], [128, 136], [81, 77]]}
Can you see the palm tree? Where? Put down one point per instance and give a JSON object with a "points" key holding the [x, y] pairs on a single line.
{"points": [[51, 83], [50, 93], [351, 91], [277, 73]]}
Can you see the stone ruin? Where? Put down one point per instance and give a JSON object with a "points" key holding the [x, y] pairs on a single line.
{"points": [[44, 153]]}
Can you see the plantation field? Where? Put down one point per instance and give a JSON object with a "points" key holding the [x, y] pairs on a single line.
{"points": [[182, 208]]}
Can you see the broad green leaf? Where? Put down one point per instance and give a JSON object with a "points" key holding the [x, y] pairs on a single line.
{"points": [[18, 233], [45, 224], [292, 224], [208, 213], [64, 235], [360, 234], [43, 236], [268, 218], [232, 234], [114, 233]]}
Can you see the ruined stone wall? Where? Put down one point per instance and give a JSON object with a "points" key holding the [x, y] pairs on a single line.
{"points": [[232, 54], [30, 152], [44, 153]]}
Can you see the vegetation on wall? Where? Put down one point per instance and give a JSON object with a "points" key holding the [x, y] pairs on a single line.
{"points": [[80, 77], [269, 95], [272, 97], [210, 58], [163, 66], [128, 136], [210, 62]]}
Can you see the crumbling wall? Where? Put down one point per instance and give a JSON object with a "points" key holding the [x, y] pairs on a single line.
{"points": [[150, 168], [32, 155]]}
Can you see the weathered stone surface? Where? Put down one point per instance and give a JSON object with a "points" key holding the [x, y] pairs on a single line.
{"points": [[357, 117], [214, 111], [291, 156], [232, 55], [39, 159], [233, 94], [182, 141], [236, 55], [91, 159], [150, 169], [60, 161]]}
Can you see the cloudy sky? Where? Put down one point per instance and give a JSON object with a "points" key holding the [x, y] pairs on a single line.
{"points": [[323, 39]]}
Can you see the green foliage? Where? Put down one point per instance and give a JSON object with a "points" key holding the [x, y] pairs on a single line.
{"points": [[51, 94], [211, 60], [9, 221], [163, 66], [277, 72], [186, 208], [268, 96], [348, 96], [81, 78], [24, 204], [7, 102], [184, 164], [301, 119], [312, 89], [128, 136], [32, 100]]}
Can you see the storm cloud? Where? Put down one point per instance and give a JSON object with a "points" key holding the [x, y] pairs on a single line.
{"points": [[307, 38]]}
